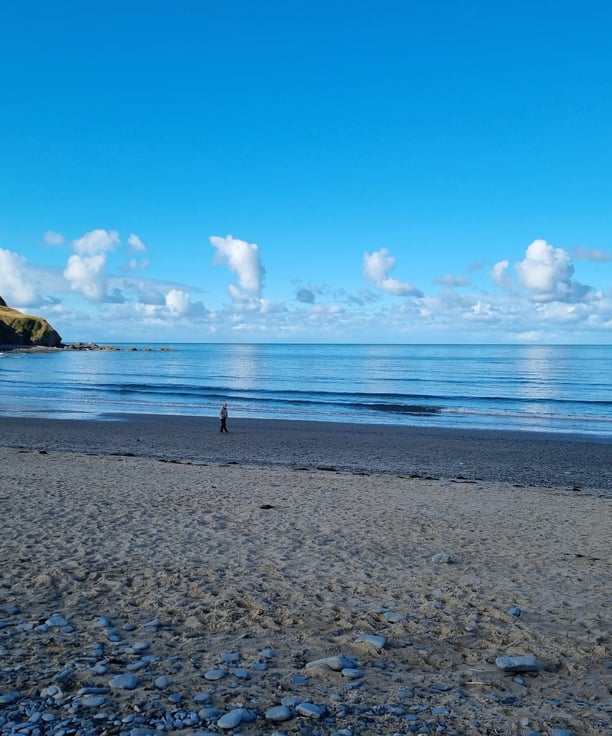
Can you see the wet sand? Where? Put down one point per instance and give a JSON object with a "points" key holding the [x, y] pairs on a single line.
{"points": [[514, 457]]}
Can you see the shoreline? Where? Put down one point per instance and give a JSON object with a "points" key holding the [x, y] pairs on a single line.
{"points": [[520, 458]]}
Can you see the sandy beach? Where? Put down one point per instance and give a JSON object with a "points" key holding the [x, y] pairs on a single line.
{"points": [[160, 577]]}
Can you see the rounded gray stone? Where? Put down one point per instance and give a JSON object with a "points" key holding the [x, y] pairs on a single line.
{"points": [[215, 674], [279, 713], [123, 682], [230, 720]]}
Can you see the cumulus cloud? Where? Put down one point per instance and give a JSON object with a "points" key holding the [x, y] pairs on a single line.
{"points": [[85, 274], [178, 302], [499, 273], [96, 241], [547, 272], [375, 269], [86, 268], [137, 244], [243, 259], [17, 287]]}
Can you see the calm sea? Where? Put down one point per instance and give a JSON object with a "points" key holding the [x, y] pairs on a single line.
{"points": [[538, 388]]}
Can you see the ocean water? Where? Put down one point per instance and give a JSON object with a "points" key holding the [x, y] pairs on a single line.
{"points": [[563, 389]]}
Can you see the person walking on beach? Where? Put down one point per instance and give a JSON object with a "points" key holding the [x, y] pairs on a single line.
{"points": [[223, 418]]}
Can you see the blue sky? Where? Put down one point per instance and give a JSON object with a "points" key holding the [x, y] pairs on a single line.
{"points": [[308, 171]]}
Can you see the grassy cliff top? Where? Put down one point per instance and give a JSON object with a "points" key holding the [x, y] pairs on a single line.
{"points": [[17, 328]]}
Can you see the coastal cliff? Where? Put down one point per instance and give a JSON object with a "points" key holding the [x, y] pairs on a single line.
{"points": [[25, 330]]}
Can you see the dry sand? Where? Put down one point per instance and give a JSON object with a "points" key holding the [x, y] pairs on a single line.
{"points": [[240, 557]]}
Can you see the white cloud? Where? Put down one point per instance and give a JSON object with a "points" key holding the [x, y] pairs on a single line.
{"points": [[375, 268], [243, 259], [499, 273], [85, 274], [86, 268], [588, 254], [239, 297], [53, 238], [547, 272], [178, 302], [17, 287], [96, 241], [137, 244], [550, 304]]}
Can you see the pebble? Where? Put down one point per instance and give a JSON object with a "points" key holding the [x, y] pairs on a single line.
{"points": [[64, 675], [520, 663], [378, 642], [514, 611], [102, 622], [311, 710], [9, 698], [336, 663], [215, 674], [406, 692], [233, 718], [279, 713], [209, 713], [140, 646], [56, 621], [123, 682], [92, 701], [352, 672], [199, 697], [341, 708], [442, 558], [53, 691], [91, 690]]}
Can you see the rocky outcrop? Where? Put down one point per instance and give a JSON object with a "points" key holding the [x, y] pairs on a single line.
{"points": [[25, 330]]}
